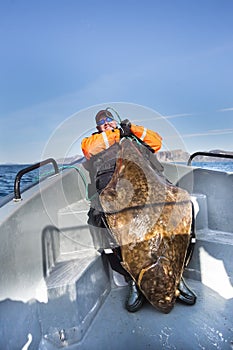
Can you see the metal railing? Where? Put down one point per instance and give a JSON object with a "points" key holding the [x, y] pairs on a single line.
{"points": [[17, 194], [209, 154]]}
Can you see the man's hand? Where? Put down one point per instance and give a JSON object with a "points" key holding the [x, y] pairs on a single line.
{"points": [[125, 128]]}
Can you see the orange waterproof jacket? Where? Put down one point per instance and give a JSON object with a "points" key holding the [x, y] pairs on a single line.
{"points": [[99, 142]]}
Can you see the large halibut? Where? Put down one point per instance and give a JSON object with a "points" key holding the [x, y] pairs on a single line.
{"points": [[151, 220]]}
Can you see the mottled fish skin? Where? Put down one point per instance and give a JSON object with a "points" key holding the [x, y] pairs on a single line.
{"points": [[151, 221]]}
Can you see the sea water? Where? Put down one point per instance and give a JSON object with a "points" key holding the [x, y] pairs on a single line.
{"points": [[221, 166], [8, 173]]}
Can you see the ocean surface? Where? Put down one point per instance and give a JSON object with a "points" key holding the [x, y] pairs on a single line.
{"points": [[8, 173]]}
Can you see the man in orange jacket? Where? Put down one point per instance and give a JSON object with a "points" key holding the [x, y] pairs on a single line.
{"points": [[100, 149], [108, 134]]}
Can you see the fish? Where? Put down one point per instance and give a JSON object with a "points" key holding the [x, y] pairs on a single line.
{"points": [[150, 219]]}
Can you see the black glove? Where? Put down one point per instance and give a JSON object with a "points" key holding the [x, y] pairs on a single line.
{"points": [[125, 128]]}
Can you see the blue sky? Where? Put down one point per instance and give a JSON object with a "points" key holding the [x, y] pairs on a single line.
{"points": [[62, 56]]}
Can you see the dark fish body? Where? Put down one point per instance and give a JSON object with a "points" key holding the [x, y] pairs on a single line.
{"points": [[151, 220]]}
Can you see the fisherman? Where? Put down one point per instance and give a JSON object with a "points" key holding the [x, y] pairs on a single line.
{"points": [[100, 149]]}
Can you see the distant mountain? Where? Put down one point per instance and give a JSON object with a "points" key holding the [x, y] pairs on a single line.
{"points": [[69, 160], [173, 156], [221, 151], [182, 156]]}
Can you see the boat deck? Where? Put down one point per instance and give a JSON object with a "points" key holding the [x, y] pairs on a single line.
{"points": [[206, 325], [185, 327], [66, 296]]}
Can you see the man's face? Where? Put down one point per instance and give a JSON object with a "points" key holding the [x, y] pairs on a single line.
{"points": [[106, 125]]}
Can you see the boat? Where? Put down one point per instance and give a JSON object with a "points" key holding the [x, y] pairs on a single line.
{"points": [[57, 290]]}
